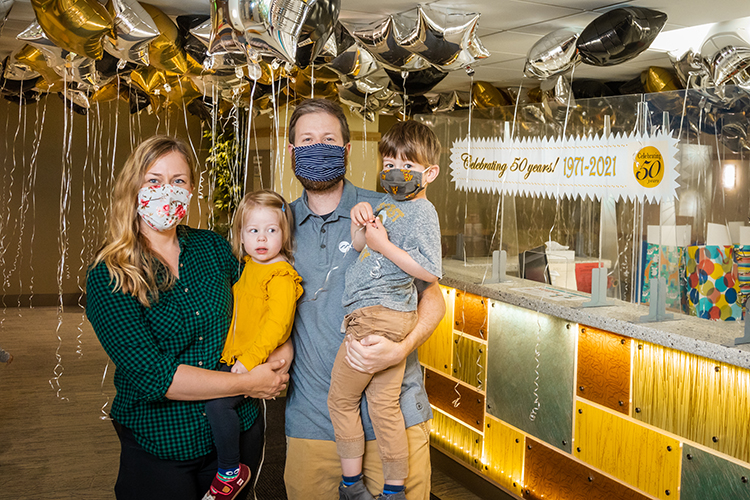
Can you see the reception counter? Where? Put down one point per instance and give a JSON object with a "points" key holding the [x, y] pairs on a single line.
{"points": [[547, 399]]}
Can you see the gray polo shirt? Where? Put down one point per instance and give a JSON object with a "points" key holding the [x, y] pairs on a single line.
{"points": [[321, 258]]}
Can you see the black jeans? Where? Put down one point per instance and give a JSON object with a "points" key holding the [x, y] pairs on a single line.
{"points": [[225, 425], [143, 476]]}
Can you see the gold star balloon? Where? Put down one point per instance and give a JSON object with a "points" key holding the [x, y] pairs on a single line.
{"points": [[74, 25]]}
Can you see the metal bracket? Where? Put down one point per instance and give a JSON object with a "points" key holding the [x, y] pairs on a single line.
{"points": [[657, 307], [598, 289], [499, 265]]}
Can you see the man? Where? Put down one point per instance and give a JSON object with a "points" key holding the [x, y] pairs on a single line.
{"points": [[319, 146]]}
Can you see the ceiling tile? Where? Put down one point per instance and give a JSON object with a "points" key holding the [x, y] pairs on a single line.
{"points": [[508, 14]]}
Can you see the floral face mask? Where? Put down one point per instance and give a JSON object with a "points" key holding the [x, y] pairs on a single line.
{"points": [[162, 207]]}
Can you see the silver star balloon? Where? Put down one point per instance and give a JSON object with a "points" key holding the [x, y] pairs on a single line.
{"points": [[134, 29], [271, 27], [34, 35], [354, 63], [17, 71], [446, 40], [383, 41], [82, 70], [731, 65], [553, 54], [225, 45]]}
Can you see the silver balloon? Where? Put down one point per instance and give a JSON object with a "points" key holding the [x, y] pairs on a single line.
{"points": [[271, 27], [77, 97], [446, 40], [5, 6], [553, 54], [225, 46], [451, 101], [82, 70], [34, 35], [17, 71], [316, 30], [383, 40], [366, 95], [134, 29], [354, 63], [691, 67], [731, 65]]}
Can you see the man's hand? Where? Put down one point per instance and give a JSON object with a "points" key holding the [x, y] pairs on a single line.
{"points": [[373, 353], [361, 213], [238, 367]]}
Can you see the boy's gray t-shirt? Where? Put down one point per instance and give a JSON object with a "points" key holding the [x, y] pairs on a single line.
{"points": [[373, 279]]}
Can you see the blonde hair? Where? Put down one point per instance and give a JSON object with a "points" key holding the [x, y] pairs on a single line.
{"points": [[268, 199], [411, 141], [131, 263]]}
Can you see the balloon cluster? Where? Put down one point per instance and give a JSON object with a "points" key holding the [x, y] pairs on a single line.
{"points": [[246, 51], [612, 38]]}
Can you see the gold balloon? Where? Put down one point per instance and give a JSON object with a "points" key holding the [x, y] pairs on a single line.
{"points": [[535, 95], [485, 95], [107, 92], [75, 25], [180, 89], [148, 78], [660, 80], [34, 59], [164, 51], [301, 86]]}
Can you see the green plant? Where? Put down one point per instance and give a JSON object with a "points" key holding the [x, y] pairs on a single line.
{"points": [[226, 174]]}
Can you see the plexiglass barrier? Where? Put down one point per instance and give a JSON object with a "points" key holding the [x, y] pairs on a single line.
{"points": [[694, 235]]}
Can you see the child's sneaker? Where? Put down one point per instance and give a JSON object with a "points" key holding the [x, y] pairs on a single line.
{"points": [[228, 490], [357, 491], [394, 496]]}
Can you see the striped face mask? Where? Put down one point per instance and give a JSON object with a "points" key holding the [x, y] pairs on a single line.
{"points": [[320, 162]]}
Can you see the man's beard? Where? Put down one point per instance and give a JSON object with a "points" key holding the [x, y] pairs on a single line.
{"points": [[319, 186]]}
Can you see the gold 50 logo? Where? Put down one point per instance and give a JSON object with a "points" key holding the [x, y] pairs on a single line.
{"points": [[648, 167]]}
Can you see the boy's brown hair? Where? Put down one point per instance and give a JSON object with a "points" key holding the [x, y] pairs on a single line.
{"points": [[411, 141]]}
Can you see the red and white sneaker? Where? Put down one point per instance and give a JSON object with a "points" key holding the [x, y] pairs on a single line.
{"points": [[228, 490]]}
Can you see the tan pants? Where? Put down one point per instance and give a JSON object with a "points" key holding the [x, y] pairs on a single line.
{"points": [[313, 471], [382, 389]]}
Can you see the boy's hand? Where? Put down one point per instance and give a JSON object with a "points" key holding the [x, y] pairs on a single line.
{"points": [[376, 236], [361, 213], [238, 367]]}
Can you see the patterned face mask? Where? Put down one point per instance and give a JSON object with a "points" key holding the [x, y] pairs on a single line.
{"points": [[162, 207], [320, 162], [401, 183]]}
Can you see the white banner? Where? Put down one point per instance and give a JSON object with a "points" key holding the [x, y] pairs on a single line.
{"points": [[630, 167]]}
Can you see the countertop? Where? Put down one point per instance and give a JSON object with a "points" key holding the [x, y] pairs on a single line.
{"points": [[685, 333]]}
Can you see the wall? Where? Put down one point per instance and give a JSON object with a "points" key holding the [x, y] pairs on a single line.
{"points": [[50, 154]]}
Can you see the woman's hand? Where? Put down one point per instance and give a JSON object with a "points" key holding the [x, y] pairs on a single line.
{"points": [[266, 381]]}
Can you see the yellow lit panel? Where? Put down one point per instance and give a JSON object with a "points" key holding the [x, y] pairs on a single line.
{"points": [[469, 361], [635, 454], [694, 397], [503, 454], [456, 439], [437, 351]]}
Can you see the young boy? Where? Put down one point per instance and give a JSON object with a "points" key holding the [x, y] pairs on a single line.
{"points": [[398, 241]]}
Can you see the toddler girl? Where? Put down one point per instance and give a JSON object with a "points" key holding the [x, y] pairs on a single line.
{"points": [[264, 303]]}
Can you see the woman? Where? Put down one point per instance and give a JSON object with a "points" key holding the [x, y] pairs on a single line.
{"points": [[159, 297]]}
